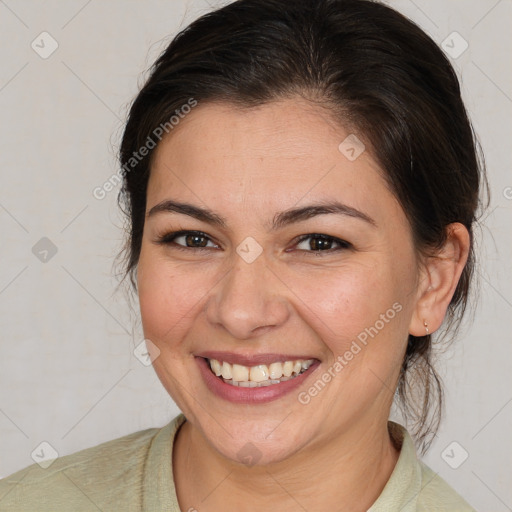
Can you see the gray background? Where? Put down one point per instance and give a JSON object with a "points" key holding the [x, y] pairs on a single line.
{"points": [[68, 375]]}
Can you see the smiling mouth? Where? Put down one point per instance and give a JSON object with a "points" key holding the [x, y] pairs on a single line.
{"points": [[260, 375]]}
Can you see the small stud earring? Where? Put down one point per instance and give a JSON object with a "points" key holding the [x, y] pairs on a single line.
{"points": [[426, 327]]}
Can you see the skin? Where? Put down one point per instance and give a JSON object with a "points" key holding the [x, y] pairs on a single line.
{"points": [[248, 165]]}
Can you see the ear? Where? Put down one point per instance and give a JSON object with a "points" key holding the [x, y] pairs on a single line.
{"points": [[440, 274]]}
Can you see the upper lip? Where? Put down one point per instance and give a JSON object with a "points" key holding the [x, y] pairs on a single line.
{"points": [[251, 359]]}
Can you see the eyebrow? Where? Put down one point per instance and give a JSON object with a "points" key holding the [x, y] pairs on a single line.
{"points": [[280, 220]]}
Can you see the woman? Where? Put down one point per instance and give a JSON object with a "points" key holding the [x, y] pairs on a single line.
{"points": [[301, 182]]}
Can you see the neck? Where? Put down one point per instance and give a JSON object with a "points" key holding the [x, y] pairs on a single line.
{"points": [[348, 469]]}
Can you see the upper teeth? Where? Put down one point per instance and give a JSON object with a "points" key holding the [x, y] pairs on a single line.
{"points": [[259, 373]]}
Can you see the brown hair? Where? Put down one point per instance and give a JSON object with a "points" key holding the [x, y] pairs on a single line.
{"points": [[378, 73]]}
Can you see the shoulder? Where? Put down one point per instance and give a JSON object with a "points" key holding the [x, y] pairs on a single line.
{"points": [[434, 490], [413, 486], [90, 479]]}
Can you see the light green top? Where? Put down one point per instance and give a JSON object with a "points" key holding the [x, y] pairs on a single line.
{"points": [[134, 473]]}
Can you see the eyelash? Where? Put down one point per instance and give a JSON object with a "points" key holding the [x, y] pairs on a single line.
{"points": [[168, 239]]}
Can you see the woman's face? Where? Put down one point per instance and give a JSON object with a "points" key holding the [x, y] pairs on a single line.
{"points": [[256, 286]]}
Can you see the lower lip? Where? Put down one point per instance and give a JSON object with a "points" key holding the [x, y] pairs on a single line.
{"points": [[242, 395]]}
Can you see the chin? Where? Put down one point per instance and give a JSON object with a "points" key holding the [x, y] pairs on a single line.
{"points": [[250, 453], [254, 443]]}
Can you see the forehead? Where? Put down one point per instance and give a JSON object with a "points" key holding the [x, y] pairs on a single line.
{"points": [[276, 155], [290, 129]]}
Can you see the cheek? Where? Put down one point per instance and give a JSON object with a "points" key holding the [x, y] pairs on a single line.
{"points": [[357, 303], [169, 296], [342, 301]]}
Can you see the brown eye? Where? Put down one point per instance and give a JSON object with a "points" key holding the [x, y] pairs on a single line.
{"points": [[318, 243], [195, 240], [186, 240]]}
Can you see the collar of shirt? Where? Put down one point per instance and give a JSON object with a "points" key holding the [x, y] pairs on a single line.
{"points": [[400, 493]]}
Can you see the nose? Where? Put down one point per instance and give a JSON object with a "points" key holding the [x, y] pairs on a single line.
{"points": [[249, 300]]}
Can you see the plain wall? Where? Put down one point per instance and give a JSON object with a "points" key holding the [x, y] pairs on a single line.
{"points": [[68, 374]]}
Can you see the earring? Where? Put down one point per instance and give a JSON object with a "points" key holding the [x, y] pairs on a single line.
{"points": [[426, 327]]}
